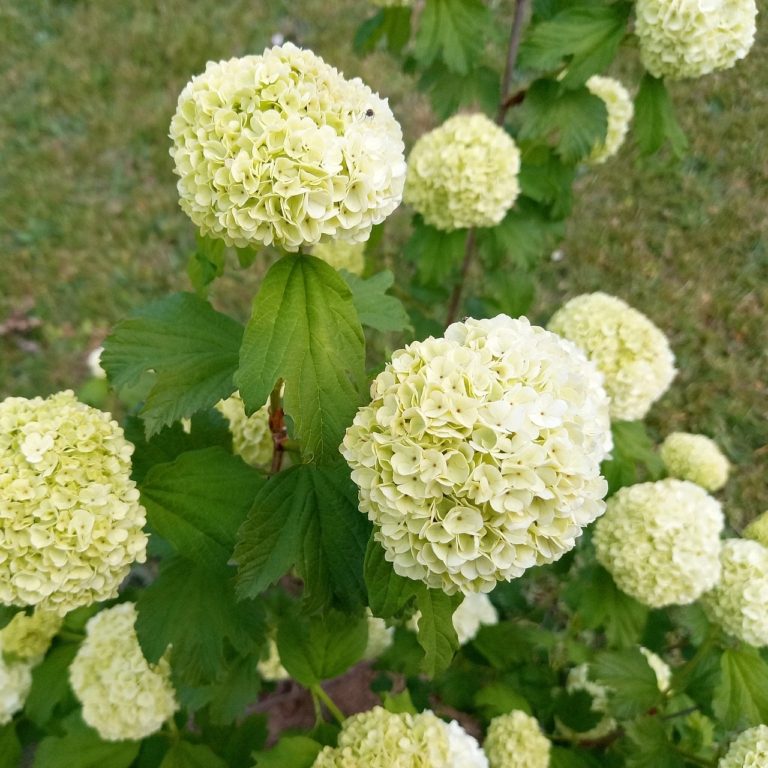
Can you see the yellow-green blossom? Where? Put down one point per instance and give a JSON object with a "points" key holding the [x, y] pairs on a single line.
{"points": [[280, 148], [757, 530], [72, 523], [748, 750], [661, 541], [620, 108], [476, 610], [630, 351], [380, 637], [270, 667], [15, 682], [341, 255], [463, 174], [479, 456], [251, 436], [123, 695], [27, 637], [515, 740], [695, 458], [739, 601], [690, 38]]}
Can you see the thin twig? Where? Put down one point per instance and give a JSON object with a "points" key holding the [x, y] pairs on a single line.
{"points": [[515, 37], [277, 427], [455, 302]]}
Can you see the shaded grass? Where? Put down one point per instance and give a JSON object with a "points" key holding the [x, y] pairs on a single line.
{"points": [[90, 225]]}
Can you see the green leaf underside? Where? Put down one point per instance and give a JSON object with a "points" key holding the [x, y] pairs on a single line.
{"points": [[199, 501], [185, 755], [655, 122], [741, 696], [322, 647], [651, 746], [192, 349], [436, 254], [289, 752], [635, 689], [575, 120], [375, 308], [306, 516], [304, 329], [587, 36], [194, 609]]}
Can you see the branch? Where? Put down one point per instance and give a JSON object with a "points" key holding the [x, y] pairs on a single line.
{"points": [[469, 254], [515, 37]]}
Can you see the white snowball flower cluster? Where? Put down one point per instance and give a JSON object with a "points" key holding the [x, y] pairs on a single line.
{"points": [[748, 750], [381, 739], [695, 458], [341, 255], [479, 456], [515, 740], [280, 148], [15, 682], [690, 38], [93, 361], [270, 667], [380, 637], [630, 351], [620, 108], [661, 541], [28, 637], [757, 530], [251, 435], [739, 601], [475, 611], [71, 523], [123, 695], [463, 174]]}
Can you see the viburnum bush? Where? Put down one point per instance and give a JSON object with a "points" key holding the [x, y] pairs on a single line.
{"points": [[389, 521]]}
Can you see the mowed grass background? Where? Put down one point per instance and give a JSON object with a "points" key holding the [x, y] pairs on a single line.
{"points": [[90, 225]]}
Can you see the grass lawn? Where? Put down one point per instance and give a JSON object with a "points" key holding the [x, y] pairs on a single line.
{"points": [[90, 226]]}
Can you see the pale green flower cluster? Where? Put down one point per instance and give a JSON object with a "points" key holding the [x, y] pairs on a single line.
{"points": [[463, 174], [695, 458], [479, 455], [72, 523], [342, 255], [739, 601], [123, 695], [280, 148], [270, 667], [381, 739], [516, 741], [251, 435], [93, 361], [28, 637], [620, 108], [757, 530], [661, 541], [748, 750], [631, 352], [380, 637], [690, 38], [15, 682], [660, 669], [475, 611]]}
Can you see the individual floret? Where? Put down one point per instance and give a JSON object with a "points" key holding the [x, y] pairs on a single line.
{"points": [[620, 108], [71, 522], [341, 255], [690, 38], [381, 739], [28, 637], [123, 696], [739, 601], [748, 750], [661, 541], [695, 458], [280, 148], [463, 174], [251, 435], [516, 741], [479, 456], [630, 351]]}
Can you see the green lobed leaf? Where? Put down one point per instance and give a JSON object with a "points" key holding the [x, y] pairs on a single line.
{"points": [[599, 603], [10, 746], [510, 643], [560, 757], [375, 307], [587, 36], [192, 349], [289, 752], [574, 120], [304, 329], [449, 92], [322, 647], [454, 30], [436, 254], [7, 612], [206, 263], [651, 746], [230, 697], [635, 689], [182, 754], [50, 683], [306, 516], [499, 698], [437, 635], [655, 123], [633, 450], [81, 747], [741, 696], [194, 609], [574, 710], [199, 501], [388, 593], [545, 178]]}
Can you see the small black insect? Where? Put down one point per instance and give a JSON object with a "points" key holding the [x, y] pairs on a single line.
{"points": [[369, 112]]}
